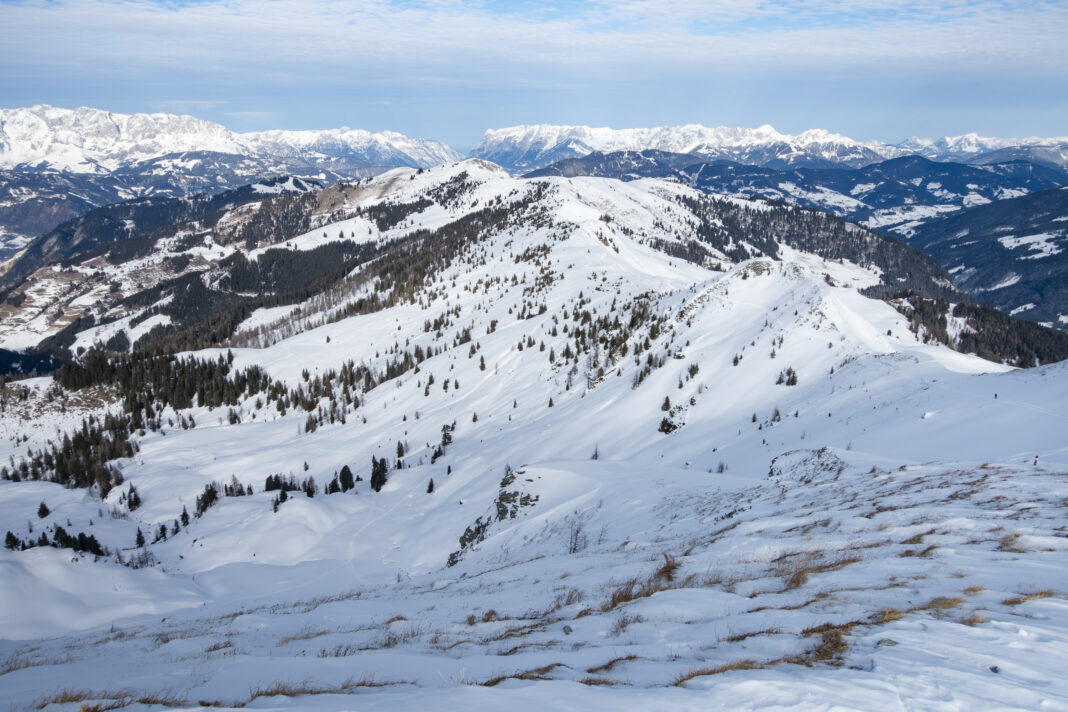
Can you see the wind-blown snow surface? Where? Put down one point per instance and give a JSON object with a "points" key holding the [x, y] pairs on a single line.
{"points": [[875, 537]]}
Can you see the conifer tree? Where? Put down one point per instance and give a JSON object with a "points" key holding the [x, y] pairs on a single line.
{"points": [[345, 479], [43, 510], [378, 473]]}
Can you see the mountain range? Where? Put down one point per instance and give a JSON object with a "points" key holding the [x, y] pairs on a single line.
{"points": [[450, 438], [527, 148], [56, 164]]}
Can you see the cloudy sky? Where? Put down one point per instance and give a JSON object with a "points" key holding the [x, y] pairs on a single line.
{"points": [[448, 69]]}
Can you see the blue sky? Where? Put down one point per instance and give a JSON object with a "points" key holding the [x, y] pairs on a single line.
{"points": [[448, 69]]}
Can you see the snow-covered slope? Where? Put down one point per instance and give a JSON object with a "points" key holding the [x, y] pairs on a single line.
{"points": [[98, 269], [659, 486], [95, 141], [525, 148]]}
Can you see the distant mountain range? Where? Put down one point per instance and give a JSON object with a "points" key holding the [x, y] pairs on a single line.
{"points": [[56, 164], [59, 164], [94, 141], [896, 195], [526, 148]]}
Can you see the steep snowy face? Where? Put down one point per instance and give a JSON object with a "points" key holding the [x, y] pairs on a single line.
{"points": [[525, 148], [95, 141]]}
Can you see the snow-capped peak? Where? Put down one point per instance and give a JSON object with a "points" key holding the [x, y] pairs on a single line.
{"points": [[87, 140], [523, 148]]}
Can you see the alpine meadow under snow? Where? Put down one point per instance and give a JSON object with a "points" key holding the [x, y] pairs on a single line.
{"points": [[448, 438]]}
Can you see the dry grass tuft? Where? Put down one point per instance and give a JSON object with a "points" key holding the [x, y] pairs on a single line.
{"points": [[830, 648], [287, 688], [611, 664], [20, 662], [973, 619], [739, 637], [282, 688], [1011, 543], [743, 664], [973, 590], [305, 634], [662, 579], [540, 673], [666, 571], [623, 622], [1017, 600], [342, 650], [216, 647], [886, 615], [67, 696], [939, 605], [99, 701], [917, 538], [795, 573]]}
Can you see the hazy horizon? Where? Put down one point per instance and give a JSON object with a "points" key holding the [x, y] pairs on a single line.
{"points": [[448, 70]]}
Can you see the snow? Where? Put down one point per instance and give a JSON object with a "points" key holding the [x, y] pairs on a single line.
{"points": [[906, 217], [100, 334], [86, 140], [1043, 244], [973, 199], [851, 511], [824, 197], [1007, 281], [536, 142]]}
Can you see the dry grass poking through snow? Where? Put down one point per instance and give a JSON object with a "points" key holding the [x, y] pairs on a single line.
{"points": [[811, 575], [1017, 600]]}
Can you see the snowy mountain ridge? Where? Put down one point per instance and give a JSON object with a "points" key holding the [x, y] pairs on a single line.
{"points": [[87, 140], [617, 471], [524, 148]]}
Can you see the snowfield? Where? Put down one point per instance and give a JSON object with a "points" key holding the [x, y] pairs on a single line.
{"points": [[667, 528]]}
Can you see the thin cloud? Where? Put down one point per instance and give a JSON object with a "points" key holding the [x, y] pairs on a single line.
{"points": [[469, 54]]}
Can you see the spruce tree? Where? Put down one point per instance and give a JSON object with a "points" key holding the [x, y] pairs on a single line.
{"points": [[140, 541], [43, 510], [378, 473], [345, 479]]}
